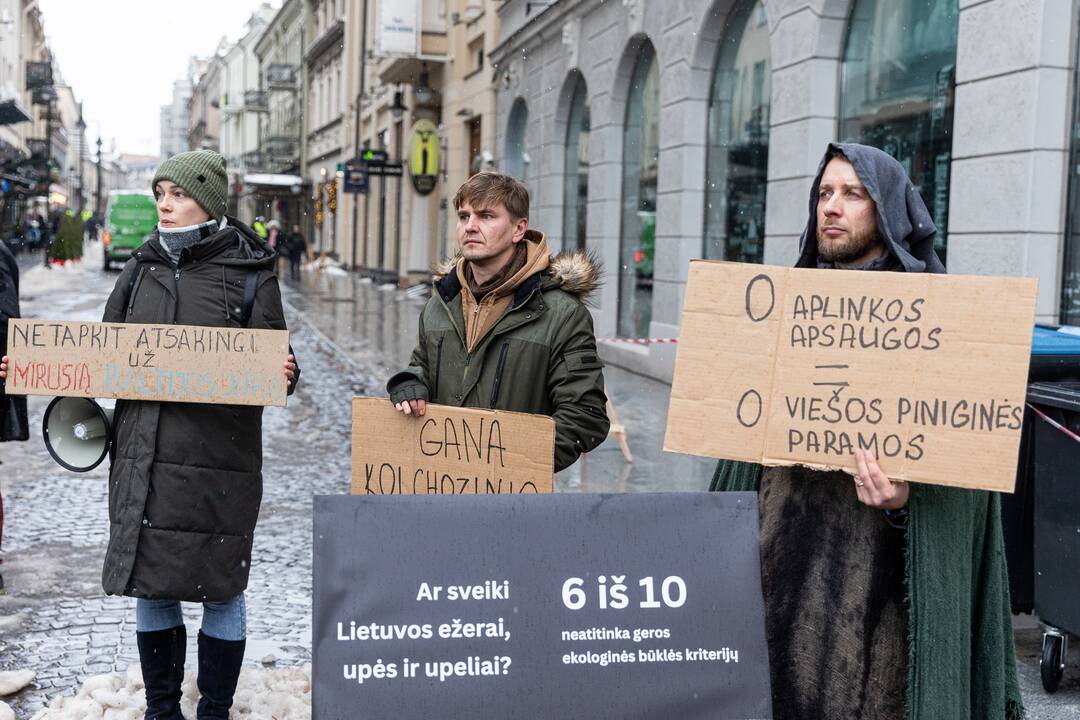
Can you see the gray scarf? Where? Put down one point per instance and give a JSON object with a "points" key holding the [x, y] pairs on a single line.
{"points": [[174, 240]]}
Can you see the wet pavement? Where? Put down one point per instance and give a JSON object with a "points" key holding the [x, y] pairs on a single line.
{"points": [[350, 335]]}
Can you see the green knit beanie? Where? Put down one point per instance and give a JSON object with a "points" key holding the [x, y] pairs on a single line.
{"points": [[202, 174]]}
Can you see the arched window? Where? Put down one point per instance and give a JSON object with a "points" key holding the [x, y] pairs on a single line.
{"points": [[514, 160], [576, 172], [737, 155], [899, 77], [1070, 278], [641, 154]]}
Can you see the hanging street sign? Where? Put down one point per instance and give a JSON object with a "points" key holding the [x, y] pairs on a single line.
{"points": [[424, 156], [355, 177], [374, 157], [388, 170]]}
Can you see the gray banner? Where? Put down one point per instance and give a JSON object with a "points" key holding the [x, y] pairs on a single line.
{"points": [[559, 606]]}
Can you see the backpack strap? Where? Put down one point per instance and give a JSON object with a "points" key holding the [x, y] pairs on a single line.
{"points": [[251, 284], [133, 282]]}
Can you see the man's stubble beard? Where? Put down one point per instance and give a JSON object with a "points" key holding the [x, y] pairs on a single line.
{"points": [[848, 248]]}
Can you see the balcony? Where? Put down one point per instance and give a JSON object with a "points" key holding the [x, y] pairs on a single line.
{"points": [[280, 76], [256, 100], [279, 164], [516, 14], [253, 160], [281, 146], [332, 37]]}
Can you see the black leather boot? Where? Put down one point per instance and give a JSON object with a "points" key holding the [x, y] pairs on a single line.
{"points": [[161, 654], [219, 670]]}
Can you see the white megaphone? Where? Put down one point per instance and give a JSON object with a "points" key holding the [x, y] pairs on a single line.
{"points": [[77, 432]]}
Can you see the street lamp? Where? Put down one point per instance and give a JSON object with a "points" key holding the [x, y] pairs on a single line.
{"points": [[80, 125], [422, 93], [398, 108], [97, 194]]}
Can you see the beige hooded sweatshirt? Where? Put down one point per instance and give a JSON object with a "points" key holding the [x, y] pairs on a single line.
{"points": [[481, 316]]}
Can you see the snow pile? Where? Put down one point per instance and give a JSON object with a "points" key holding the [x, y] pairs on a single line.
{"points": [[55, 278], [13, 681], [262, 694], [327, 265]]}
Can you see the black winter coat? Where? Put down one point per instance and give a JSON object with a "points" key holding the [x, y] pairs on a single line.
{"points": [[296, 246], [186, 478], [14, 423]]}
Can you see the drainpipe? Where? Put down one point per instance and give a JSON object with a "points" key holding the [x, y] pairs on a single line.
{"points": [[356, 133]]}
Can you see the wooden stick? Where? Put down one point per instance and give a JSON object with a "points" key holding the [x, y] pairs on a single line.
{"points": [[619, 431]]}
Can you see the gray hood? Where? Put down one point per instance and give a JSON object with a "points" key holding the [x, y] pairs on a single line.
{"points": [[904, 223]]}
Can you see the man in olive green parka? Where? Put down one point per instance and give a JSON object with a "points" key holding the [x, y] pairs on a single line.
{"points": [[506, 327]]}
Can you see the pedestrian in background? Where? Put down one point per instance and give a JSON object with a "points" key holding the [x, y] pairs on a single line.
{"points": [[297, 248], [185, 481], [259, 226], [32, 233], [274, 238]]}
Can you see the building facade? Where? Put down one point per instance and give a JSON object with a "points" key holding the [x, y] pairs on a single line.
{"points": [[279, 188], [469, 111], [324, 67], [138, 170], [175, 118], [401, 113], [242, 105], [204, 106], [657, 133]]}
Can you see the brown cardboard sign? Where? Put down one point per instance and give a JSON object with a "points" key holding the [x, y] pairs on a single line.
{"points": [[784, 366], [129, 361], [449, 450]]}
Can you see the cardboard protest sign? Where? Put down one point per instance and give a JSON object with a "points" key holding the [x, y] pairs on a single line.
{"points": [[784, 366], [567, 605], [449, 450], [167, 363]]}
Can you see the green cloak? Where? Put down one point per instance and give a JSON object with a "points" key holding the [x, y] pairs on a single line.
{"points": [[961, 654]]}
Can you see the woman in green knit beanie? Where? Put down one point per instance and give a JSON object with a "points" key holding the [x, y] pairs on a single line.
{"points": [[186, 480]]}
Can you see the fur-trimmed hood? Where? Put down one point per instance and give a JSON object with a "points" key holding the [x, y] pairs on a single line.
{"points": [[574, 271]]}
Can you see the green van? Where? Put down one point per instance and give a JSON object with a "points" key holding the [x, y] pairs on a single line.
{"points": [[130, 216]]}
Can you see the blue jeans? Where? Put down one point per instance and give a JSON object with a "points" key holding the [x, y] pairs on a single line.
{"points": [[226, 620]]}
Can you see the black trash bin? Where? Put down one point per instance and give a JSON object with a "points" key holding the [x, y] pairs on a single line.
{"points": [[1017, 520], [1041, 519], [1056, 528]]}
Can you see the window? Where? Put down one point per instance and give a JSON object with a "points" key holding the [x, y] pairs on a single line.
{"points": [[898, 82], [331, 97], [515, 161], [576, 171], [641, 155], [737, 154], [475, 161], [1070, 280]]}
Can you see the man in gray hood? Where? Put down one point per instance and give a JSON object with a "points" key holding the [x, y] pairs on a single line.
{"points": [[890, 222], [882, 601]]}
